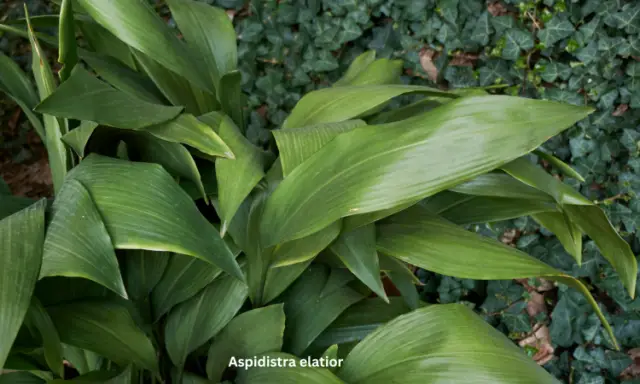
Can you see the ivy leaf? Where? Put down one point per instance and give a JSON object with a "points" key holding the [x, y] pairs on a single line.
{"points": [[495, 71], [502, 23], [589, 53], [325, 62], [350, 31], [460, 76], [449, 10], [516, 41], [482, 30], [555, 30], [555, 70], [628, 18], [633, 69]]}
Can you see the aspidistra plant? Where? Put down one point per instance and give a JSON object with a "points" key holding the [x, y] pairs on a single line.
{"points": [[173, 244]]}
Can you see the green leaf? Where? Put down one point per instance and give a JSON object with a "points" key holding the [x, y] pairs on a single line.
{"points": [[565, 230], [236, 177], [195, 321], [38, 317], [21, 239], [105, 43], [291, 372], [183, 277], [249, 334], [54, 128], [560, 165], [122, 376], [143, 208], [482, 209], [209, 32], [306, 248], [279, 279], [555, 30], [231, 97], [517, 41], [84, 97], [78, 138], [357, 66], [359, 320], [439, 343], [136, 24], [357, 250], [499, 185], [379, 72], [77, 242], [12, 204], [68, 48], [374, 168], [19, 377], [143, 270], [423, 239], [84, 361], [15, 83], [587, 216], [309, 312], [187, 129], [402, 278], [482, 30], [123, 78], [106, 328], [333, 105], [297, 145]]}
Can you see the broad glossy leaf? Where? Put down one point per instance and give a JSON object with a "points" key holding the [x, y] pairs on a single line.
{"points": [[123, 78], [499, 185], [54, 128], [357, 250], [104, 42], [565, 230], [15, 83], [332, 105], [402, 278], [293, 373], [78, 138], [357, 66], [83, 360], [144, 208], [236, 177], [68, 48], [77, 243], [38, 317], [135, 23], [297, 145], [427, 241], [560, 165], [279, 279], [306, 248], [84, 97], [187, 129], [439, 343], [586, 215], [379, 72], [105, 327], [195, 321], [443, 201], [357, 221], [12, 204], [414, 109], [309, 312], [183, 277], [359, 320], [143, 270], [231, 97], [481, 209], [249, 334], [21, 238], [374, 168], [122, 376], [209, 32], [20, 377]]}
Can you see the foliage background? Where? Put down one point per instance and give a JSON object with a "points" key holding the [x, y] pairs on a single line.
{"points": [[576, 51]]}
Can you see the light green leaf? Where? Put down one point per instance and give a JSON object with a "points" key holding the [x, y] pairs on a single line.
{"points": [[357, 66], [54, 128], [565, 230], [357, 250], [38, 317], [21, 239], [68, 48], [439, 343], [136, 24], [249, 334], [84, 97], [106, 328], [374, 168], [236, 177], [209, 32], [587, 216], [78, 138], [123, 78], [297, 145], [560, 165], [231, 97], [287, 373], [195, 321], [499, 185], [309, 312], [378, 72], [279, 279], [306, 248], [402, 278], [481, 209], [143, 270], [427, 241], [144, 208], [333, 105], [187, 129], [357, 221], [77, 242]]}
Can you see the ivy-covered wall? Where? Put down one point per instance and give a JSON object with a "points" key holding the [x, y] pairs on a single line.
{"points": [[575, 51]]}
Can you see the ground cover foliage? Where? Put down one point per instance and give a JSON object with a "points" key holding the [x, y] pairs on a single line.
{"points": [[578, 52]]}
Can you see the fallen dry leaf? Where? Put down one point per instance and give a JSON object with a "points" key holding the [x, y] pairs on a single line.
{"points": [[632, 371], [620, 110], [541, 340], [536, 304], [463, 59], [426, 61], [497, 9]]}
